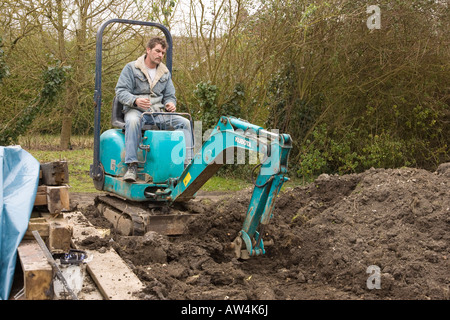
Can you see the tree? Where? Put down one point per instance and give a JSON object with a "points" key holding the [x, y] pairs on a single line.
{"points": [[213, 58], [43, 29], [354, 97]]}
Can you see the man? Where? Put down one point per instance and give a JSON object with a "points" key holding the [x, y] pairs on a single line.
{"points": [[146, 85]]}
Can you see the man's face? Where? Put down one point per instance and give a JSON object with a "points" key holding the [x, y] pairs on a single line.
{"points": [[155, 55]]}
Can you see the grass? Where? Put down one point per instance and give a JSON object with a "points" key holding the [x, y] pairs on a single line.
{"points": [[79, 162], [44, 149], [217, 183]]}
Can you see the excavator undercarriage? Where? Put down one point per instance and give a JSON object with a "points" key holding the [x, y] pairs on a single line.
{"points": [[137, 218]]}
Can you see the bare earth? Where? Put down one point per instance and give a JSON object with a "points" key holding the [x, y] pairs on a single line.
{"points": [[327, 237]]}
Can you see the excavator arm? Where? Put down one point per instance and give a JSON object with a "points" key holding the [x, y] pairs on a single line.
{"points": [[231, 135]]}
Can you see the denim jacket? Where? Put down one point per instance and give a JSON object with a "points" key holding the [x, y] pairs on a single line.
{"points": [[134, 83]]}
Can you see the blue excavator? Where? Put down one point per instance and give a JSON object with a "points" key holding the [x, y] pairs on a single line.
{"points": [[165, 184]]}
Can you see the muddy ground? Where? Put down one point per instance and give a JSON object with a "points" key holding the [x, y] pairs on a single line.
{"points": [[328, 237]]}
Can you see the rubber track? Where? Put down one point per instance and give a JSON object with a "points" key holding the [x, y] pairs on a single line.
{"points": [[132, 211]]}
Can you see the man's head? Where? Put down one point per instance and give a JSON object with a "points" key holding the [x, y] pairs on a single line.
{"points": [[156, 49], [157, 40]]}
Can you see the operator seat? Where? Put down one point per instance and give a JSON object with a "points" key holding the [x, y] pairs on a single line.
{"points": [[118, 119], [117, 116]]}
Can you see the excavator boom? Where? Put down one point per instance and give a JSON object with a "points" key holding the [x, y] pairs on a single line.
{"points": [[229, 135]]}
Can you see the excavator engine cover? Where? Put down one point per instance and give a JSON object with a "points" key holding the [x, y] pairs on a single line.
{"points": [[161, 158]]}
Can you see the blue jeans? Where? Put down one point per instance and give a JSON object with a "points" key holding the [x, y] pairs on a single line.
{"points": [[133, 134]]}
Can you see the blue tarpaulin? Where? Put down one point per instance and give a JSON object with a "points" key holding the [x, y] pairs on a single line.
{"points": [[18, 186]]}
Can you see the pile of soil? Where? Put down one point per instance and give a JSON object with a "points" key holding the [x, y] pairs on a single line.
{"points": [[328, 237]]}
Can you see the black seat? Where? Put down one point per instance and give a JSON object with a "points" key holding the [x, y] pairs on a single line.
{"points": [[117, 117]]}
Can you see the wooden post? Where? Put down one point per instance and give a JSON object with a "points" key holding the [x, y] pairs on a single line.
{"points": [[56, 198], [37, 272], [56, 232], [55, 173], [60, 236]]}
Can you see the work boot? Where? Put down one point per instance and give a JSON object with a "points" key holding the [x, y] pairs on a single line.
{"points": [[131, 174]]}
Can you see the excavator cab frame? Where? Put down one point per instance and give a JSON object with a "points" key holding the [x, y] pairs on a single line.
{"points": [[96, 170]]}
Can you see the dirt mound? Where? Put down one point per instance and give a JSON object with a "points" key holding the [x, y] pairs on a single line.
{"points": [[397, 220], [381, 234]]}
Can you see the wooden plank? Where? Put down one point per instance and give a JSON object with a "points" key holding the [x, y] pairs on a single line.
{"points": [[38, 273], [90, 290], [114, 279], [40, 224], [41, 196]]}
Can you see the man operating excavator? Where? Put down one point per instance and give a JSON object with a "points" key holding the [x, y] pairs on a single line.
{"points": [[146, 85]]}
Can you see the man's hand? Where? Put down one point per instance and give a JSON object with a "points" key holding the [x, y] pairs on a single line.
{"points": [[143, 103], [170, 107]]}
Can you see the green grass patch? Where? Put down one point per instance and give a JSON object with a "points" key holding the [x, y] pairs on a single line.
{"points": [[217, 183], [79, 162]]}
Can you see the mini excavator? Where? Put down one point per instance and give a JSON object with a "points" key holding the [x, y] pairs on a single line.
{"points": [[165, 182]]}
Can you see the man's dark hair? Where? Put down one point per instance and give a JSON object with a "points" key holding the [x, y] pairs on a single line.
{"points": [[157, 40]]}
